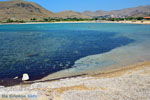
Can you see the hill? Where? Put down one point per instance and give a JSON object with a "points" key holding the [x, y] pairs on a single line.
{"points": [[22, 10], [71, 14], [140, 11]]}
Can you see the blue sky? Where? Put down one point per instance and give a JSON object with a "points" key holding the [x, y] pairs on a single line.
{"points": [[93, 5]]}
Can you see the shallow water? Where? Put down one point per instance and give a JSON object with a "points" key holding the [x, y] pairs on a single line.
{"points": [[42, 49]]}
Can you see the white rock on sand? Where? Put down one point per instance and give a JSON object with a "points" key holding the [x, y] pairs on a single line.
{"points": [[25, 77]]}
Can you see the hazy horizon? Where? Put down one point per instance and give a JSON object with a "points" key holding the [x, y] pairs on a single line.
{"points": [[88, 5]]}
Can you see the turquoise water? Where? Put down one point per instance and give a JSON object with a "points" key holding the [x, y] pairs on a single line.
{"points": [[43, 49]]}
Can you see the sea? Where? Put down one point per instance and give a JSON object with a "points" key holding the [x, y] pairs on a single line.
{"points": [[44, 49]]}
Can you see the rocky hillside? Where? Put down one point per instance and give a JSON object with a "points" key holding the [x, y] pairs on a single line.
{"points": [[71, 14], [22, 10], [96, 13], [140, 11]]}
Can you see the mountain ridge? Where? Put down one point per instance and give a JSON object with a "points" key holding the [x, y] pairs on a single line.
{"points": [[134, 12], [25, 10]]}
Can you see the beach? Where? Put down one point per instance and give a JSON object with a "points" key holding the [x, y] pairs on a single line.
{"points": [[130, 82], [98, 21]]}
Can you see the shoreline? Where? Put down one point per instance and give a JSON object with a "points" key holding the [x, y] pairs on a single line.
{"points": [[135, 75], [124, 22], [93, 73], [105, 72]]}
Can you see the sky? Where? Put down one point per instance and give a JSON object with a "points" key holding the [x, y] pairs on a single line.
{"points": [[92, 5]]}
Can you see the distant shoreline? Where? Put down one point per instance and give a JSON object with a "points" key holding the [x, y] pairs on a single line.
{"points": [[125, 22]]}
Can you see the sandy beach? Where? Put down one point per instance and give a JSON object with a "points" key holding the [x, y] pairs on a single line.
{"points": [[128, 22], [127, 83], [101, 21]]}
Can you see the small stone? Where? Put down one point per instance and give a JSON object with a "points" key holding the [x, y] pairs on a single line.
{"points": [[15, 77], [25, 77]]}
